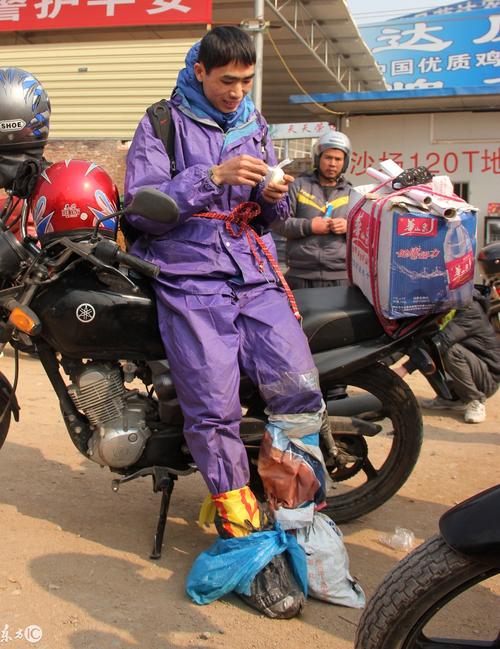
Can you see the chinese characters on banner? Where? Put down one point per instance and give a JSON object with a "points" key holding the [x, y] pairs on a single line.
{"points": [[483, 160], [296, 130], [21, 15], [454, 45]]}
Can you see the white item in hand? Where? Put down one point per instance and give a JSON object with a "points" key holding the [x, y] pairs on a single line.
{"points": [[276, 174]]}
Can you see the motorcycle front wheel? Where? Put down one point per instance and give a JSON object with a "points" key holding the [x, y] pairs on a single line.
{"points": [[378, 466], [403, 611], [5, 410]]}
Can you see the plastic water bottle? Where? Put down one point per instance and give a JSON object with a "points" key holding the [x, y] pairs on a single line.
{"points": [[400, 539], [459, 262]]}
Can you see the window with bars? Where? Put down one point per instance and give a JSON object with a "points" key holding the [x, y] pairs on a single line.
{"points": [[295, 149]]}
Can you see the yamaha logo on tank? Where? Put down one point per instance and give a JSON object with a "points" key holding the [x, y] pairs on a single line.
{"points": [[85, 312]]}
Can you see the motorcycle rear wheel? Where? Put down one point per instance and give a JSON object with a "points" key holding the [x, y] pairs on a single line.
{"points": [[382, 481], [412, 594]]}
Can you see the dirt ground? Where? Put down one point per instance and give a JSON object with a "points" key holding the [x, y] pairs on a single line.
{"points": [[74, 559]]}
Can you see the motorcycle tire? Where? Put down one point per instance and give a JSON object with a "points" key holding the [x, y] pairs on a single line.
{"points": [[413, 592], [401, 407], [5, 422]]}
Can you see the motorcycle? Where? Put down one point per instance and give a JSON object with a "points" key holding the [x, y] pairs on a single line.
{"points": [[86, 308], [465, 553], [489, 263]]}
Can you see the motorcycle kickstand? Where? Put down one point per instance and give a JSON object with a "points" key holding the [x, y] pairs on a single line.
{"points": [[163, 480], [166, 486]]}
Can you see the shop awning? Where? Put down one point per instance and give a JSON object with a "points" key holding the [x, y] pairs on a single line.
{"points": [[318, 41]]}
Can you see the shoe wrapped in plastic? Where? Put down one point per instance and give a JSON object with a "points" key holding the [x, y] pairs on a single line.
{"points": [[254, 567]]}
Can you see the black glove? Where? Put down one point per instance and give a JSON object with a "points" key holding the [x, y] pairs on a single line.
{"points": [[26, 178]]}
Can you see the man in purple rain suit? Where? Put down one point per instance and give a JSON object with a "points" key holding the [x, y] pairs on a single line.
{"points": [[221, 307]]}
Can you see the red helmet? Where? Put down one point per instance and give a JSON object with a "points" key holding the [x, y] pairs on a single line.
{"points": [[70, 197]]}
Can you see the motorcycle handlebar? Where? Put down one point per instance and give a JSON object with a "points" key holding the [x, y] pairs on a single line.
{"points": [[109, 252], [144, 267]]}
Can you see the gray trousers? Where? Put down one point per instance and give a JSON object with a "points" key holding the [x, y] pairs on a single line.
{"points": [[470, 375]]}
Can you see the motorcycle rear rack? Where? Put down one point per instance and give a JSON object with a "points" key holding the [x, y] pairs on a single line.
{"points": [[163, 480]]}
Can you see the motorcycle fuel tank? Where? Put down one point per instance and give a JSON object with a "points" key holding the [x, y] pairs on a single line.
{"points": [[86, 315]]}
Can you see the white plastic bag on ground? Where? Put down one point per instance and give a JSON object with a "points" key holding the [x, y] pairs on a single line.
{"points": [[328, 575]]}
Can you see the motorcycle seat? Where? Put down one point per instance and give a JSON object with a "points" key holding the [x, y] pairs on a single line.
{"points": [[336, 316], [333, 317]]}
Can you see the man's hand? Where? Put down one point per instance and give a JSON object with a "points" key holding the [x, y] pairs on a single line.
{"points": [[320, 225], [274, 192], [241, 170], [338, 225]]}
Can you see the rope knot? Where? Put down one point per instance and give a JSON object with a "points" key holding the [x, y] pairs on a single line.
{"points": [[241, 216]]}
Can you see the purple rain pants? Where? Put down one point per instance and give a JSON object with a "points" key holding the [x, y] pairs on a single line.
{"points": [[208, 338]]}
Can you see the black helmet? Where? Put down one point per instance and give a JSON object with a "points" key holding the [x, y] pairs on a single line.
{"points": [[24, 111], [332, 140], [489, 260]]}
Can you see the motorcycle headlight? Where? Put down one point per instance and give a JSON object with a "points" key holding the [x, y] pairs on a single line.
{"points": [[12, 254]]}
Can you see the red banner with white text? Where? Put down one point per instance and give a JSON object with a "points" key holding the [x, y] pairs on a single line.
{"points": [[30, 15]]}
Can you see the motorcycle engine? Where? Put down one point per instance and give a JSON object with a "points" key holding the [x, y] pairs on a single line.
{"points": [[117, 415]]}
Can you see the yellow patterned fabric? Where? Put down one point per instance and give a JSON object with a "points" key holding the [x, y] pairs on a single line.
{"points": [[238, 511]]}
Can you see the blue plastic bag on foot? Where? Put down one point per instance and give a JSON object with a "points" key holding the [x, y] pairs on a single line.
{"points": [[230, 565]]}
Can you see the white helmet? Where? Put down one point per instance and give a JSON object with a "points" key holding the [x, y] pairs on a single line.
{"points": [[332, 140]]}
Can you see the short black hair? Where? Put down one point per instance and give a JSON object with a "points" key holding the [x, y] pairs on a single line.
{"points": [[222, 45]]}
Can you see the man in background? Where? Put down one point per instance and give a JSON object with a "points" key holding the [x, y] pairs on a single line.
{"points": [[471, 356], [316, 231]]}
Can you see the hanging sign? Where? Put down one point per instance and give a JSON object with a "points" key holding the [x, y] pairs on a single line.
{"points": [[446, 47], [31, 15], [297, 130]]}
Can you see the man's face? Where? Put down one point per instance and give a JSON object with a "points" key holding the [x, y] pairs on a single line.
{"points": [[225, 87], [331, 163]]}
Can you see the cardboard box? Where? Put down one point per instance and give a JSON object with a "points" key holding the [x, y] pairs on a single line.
{"points": [[409, 262]]}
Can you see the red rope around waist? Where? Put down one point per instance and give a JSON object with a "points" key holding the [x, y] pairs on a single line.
{"points": [[240, 217]]}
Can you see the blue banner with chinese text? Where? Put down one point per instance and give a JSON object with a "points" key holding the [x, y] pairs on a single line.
{"points": [[454, 45]]}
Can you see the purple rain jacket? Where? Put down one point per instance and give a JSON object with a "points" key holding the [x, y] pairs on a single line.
{"points": [[200, 261], [198, 249]]}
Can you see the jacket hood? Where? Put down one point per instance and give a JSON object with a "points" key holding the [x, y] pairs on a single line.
{"points": [[194, 99]]}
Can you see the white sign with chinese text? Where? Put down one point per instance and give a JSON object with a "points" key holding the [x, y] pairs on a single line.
{"points": [[297, 130]]}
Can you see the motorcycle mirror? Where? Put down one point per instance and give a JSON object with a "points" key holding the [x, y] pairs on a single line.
{"points": [[153, 205], [149, 203]]}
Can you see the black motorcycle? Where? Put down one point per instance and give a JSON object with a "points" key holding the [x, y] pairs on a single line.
{"points": [[87, 310], [401, 612]]}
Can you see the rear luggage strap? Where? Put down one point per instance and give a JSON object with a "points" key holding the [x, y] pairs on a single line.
{"points": [[241, 216]]}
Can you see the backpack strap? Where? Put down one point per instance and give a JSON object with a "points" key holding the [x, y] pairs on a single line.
{"points": [[163, 126], [264, 138]]}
